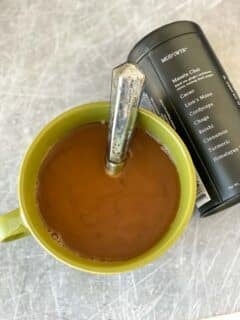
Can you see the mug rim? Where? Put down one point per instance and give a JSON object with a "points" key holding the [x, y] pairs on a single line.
{"points": [[130, 264]]}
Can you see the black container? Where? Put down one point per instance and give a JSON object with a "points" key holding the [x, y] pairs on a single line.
{"points": [[189, 88]]}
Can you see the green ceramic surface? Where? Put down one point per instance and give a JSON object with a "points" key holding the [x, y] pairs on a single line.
{"points": [[26, 220]]}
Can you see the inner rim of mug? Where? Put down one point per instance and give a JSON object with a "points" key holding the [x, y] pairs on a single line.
{"points": [[56, 130]]}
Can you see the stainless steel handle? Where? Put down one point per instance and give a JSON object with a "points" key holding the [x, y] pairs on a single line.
{"points": [[127, 86]]}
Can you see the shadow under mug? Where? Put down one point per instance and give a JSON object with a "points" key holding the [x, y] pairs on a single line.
{"points": [[27, 220]]}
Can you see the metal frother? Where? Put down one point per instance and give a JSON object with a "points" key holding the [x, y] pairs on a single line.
{"points": [[127, 86]]}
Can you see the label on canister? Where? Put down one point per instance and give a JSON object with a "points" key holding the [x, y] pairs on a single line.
{"points": [[202, 196]]}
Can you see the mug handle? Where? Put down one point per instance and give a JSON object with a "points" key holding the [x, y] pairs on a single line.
{"points": [[12, 227]]}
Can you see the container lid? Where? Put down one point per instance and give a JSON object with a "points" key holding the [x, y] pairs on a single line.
{"points": [[160, 35]]}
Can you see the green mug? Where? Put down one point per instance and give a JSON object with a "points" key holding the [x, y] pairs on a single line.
{"points": [[27, 220]]}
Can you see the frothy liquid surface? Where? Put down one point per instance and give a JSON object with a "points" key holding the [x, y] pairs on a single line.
{"points": [[102, 217]]}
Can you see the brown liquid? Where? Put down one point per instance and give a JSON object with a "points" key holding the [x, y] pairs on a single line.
{"points": [[101, 217]]}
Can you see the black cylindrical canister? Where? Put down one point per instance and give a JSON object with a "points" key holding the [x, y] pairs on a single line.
{"points": [[189, 88]]}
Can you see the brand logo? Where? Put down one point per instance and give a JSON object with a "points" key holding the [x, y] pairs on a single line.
{"points": [[173, 54]]}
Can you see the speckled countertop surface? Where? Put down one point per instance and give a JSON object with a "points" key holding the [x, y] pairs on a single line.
{"points": [[57, 54]]}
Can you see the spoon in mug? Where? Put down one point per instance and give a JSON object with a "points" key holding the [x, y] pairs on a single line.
{"points": [[126, 91]]}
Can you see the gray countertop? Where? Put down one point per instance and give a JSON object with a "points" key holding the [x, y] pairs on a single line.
{"points": [[57, 54]]}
